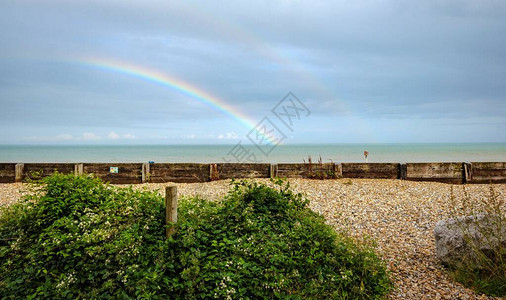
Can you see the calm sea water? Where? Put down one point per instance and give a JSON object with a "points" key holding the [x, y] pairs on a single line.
{"points": [[282, 153]]}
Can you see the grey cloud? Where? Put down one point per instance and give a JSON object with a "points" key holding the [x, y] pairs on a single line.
{"points": [[377, 60]]}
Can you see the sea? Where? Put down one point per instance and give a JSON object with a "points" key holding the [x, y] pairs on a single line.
{"points": [[396, 153]]}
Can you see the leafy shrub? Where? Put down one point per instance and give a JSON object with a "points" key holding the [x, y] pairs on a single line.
{"points": [[264, 243], [75, 237]]}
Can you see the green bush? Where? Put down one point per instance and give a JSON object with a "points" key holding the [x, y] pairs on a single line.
{"points": [[75, 237]]}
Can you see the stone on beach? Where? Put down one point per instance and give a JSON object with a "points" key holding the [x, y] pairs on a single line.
{"points": [[459, 240]]}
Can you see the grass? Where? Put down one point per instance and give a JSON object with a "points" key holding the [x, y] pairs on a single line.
{"points": [[484, 270], [318, 170]]}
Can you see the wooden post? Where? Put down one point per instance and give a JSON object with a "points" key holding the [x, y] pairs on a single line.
{"points": [[273, 170], [338, 169], [468, 172], [78, 169], [213, 172], [19, 172], [145, 172], [403, 171], [170, 209]]}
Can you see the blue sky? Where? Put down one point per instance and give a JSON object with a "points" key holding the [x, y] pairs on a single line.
{"points": [[369, 72]]}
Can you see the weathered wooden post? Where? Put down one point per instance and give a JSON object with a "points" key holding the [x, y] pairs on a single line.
{"points": [[468, 172], [338, 169], [273, 171], [145, 172], [403, 171], [170, 209], [214, 174], [19, 172], [78, 169]]}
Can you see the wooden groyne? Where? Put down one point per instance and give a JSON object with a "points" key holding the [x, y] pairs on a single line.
{"points": [[129, 173]]}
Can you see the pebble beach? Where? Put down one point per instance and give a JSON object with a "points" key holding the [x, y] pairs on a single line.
{"points": [[398, 215]]}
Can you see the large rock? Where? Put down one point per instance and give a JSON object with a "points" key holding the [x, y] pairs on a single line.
{"points": [[460, 239]]}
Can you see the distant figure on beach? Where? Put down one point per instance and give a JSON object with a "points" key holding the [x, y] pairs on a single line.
{"points": [[366, 153]]}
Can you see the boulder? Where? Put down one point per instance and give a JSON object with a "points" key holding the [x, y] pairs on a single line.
{"points": [[464, 239]]}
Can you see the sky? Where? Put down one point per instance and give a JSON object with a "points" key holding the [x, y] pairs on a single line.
{"points": [[213, 72]]}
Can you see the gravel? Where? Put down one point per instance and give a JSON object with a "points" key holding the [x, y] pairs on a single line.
{"points": [[399, 215]]}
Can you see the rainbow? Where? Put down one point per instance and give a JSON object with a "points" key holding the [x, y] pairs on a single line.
{"points": [[173, 83], [180, 86]]}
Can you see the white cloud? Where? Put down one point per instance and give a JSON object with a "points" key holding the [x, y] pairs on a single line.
{"points": [[35, 138], [228, 136], [64, 137], [113, 135], [86, 136], [190, 136], [60, 137], [90, 136]]}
